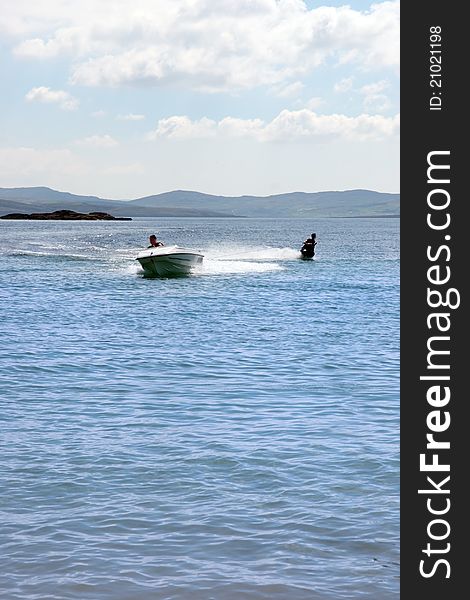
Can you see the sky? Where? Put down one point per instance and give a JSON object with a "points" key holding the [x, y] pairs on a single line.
{"points": [[124, 99]]}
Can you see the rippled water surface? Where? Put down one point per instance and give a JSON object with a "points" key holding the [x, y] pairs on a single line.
{"points": [[228, 435]]}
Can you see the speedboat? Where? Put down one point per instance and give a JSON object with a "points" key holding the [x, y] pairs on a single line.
{"points": [[169, 261]]}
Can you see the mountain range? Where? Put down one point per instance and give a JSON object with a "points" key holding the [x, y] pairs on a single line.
{"points": [[180, 203]]}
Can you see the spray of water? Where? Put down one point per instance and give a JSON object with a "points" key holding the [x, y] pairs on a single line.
{"points": [[240, 259], [217, 259], [256, 253]]}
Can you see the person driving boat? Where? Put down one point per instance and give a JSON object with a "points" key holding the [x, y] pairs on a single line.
{"points": [[154, 243]]}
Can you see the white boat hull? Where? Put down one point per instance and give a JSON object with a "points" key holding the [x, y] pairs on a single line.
{"points": [[169, 261]]}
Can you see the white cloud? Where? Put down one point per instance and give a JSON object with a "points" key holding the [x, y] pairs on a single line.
{"points": [[210, 46], [130, 117], [287, 126], [378, 103], [314, 103], [305, 124], [44, 94], [181, 127], [97, 114], [97, 141], [65, 41], [22, 17], [231, 127], [344, 85], [374, 98], [374, 88], [290, 90]]}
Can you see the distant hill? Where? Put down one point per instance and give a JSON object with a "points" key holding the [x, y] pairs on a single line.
{"points": [[179, 203], [294, 204], [44, 195], [43, 199]]}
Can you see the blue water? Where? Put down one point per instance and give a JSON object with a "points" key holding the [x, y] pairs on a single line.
{"points": [[229, 435]]}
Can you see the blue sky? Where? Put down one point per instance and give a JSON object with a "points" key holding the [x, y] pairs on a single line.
{"points": [[125, 99]]}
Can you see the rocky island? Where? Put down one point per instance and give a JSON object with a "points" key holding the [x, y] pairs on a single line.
{"points": [[66, 215]]}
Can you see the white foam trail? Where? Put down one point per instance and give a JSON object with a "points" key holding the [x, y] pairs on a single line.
{"points": [[133, 269], [51, 255], [222, 260], [216, 267], [240, 259], [258, 253]]}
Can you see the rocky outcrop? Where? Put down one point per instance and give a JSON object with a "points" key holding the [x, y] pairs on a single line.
{"points": [[66, 215]]}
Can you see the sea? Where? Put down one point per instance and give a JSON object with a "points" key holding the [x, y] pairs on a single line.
{"points": [[230, 435]]}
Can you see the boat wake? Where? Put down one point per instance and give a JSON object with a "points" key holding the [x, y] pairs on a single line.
{"points": [[217, 260], [257, 253], [234, 260], [51, 255], [219, 267], [240, 259]]}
